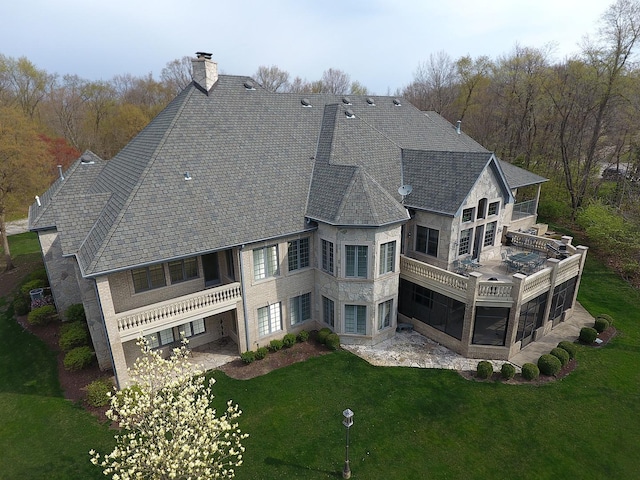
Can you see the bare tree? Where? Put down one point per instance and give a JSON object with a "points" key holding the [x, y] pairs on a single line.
{"points": [[176, 75], [434, 85], [335, 81], [272, 78]]}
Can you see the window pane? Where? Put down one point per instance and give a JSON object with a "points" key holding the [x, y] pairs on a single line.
{"points": [[191, 268], [166, 336], [140, 280], [198, 326], [328, 314], [156, 276], [153, 340], [432, 246], [355, 319], [362, 261], [465, 242], [300, 308], [384, 314], [351, 261], [292, 255], [185, 330], [259, 271], [490, 234], [175, 271], [275, 319], [387, 257], [427, 241], [467, 214], [272, 260], [327, 256]]}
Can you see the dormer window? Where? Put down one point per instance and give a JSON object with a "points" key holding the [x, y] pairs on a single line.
{"points": [[467, 215]]}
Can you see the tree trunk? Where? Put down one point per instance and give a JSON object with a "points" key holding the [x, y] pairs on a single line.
{"points": [[5, 244]]}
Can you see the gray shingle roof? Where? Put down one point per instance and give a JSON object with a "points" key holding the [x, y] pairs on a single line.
{"points": [[259, 163], [519, 177]]}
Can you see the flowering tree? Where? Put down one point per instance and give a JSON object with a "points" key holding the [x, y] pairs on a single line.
{"points": [[168, 429]]}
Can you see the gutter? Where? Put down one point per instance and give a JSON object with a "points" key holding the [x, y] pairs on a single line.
{"points": [[244, 303]]}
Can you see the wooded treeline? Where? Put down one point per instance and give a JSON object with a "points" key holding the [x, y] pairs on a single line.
{"points": [[566, 120]]}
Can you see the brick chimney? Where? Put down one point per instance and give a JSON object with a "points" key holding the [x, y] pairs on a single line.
{"points": [[205, 71]]}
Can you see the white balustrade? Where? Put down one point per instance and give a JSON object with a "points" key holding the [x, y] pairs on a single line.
{"points": [[434, 274]]}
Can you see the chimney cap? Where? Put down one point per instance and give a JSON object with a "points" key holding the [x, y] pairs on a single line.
{"points": [[204, 55]]}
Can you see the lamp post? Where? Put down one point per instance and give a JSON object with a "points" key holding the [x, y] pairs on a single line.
{"points": [[347, 422]]}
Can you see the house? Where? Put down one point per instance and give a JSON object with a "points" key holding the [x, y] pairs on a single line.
{"points": [[242, 214]]}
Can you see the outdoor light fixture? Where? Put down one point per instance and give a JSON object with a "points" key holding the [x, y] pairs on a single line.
{"points": [[347, 422]]}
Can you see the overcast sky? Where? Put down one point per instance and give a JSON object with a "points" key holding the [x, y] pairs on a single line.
{"points": [[380, 43]]}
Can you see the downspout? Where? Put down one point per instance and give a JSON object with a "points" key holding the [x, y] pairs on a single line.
{"points": [[244, 303]]}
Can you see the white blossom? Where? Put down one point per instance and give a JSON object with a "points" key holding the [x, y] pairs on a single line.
{"points": [[167, 426]]}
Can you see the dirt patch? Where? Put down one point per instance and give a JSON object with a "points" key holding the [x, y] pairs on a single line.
{"points": [[299, 352]]}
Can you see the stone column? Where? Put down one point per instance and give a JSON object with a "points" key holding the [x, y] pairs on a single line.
{"points": [[514, 314], [470, 311]]}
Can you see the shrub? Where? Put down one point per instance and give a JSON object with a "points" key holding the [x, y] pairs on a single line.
{"points": [[484, 369], [26, 287], [73, 335], [549, 365], [323, 333], [275, 345], [601, 324], [570, 348], [248, 357], [20, 305], [507, 371], [303, 336], [530, 371], [75, 313], [41, 315], [261, 353], [332, 341], [588, 335], [97, 392], [608, 318], [79, 358], [561, 354], [289, 340]]}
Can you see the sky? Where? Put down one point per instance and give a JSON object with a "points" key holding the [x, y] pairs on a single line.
{"points": [[379, 43]]}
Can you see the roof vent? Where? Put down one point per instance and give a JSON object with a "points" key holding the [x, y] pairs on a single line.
{"points": [[349, 113], [458, 130], [346, 100], [204, 55], [249, 85], [60, 172], [187, 176], [396, 102], [38, 201], [305, 102], [371, 102]]}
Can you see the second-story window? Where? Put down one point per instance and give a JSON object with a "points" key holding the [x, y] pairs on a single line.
{"points": [[467, 214], [387, 257], [465, 242], [427, 240], [148, 278], [298, 254], [490, 234], [327, 256], [356, 261], [265, 262], [494, 207], [181, 270]]}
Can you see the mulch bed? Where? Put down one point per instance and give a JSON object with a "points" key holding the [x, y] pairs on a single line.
{"points": [[570, 366]]}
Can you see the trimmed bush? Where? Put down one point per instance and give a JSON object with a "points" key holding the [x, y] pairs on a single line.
{"points": [[561, 354], [275, 345], [289, 340], [570, 348], [248, 357], [323, 334], [75, 313], [303, 336], [601, 324], [79, 358], [41, 315], [26, 287], [98, 392], [608, 318], [332, 341], [20, 305], [73, 335], [588, 335], [261, 353], [507, 371], [549, 365], [530, 371], [484, 369]]}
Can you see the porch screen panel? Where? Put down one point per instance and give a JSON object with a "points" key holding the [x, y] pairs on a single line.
{"points": [[490, 326], [531, 316]]}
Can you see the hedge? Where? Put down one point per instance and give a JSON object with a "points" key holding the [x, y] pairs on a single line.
{"points": [[332, 341], [79, 358], [549, 364], [507, 371], [323, 334], [530, 371], [97, 392], [73, 335], [41, 315], [561, 354], [571, 348], [75, 313], [588, 335], [484, 369]]}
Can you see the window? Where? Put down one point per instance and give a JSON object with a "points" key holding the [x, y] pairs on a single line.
{"points": [[181, 270], [328, 311], [158, 339], [192, 328], [384, 314], [465, 242], [490, 327], [231, 273], [494, 207], [327, 256], [427, 241], [300, 308], [298, 254], [356, 261], [467, 214], [387, 257], [269, 319], [355, 319], [147, 278], [265, 262], [490, 234], [482, 207]]}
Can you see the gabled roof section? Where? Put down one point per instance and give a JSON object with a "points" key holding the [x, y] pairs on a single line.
{"points": [[64, 193], [519, 177], [441, 180]]}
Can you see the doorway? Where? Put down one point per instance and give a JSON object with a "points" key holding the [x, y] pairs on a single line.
{"points": [[211, 268]]}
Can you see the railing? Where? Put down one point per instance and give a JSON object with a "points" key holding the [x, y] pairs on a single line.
{"points": [[568, 268], [524, 209], [528, 241], [436, 277], [495, 291], [206, 302], [536, 284]]}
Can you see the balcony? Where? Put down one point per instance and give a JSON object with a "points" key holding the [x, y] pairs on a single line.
{"points": [[132, 323]]}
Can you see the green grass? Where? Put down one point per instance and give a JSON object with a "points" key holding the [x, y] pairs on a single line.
{"points": [[409, 423]]}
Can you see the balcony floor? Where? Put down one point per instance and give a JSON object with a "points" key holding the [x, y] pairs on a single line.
{"points": [[496, 268], [214, 354]]}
